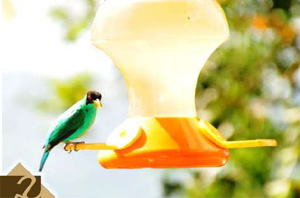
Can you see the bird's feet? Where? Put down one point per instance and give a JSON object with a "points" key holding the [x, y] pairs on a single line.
{"points": [[65, 148], [74, 144]]}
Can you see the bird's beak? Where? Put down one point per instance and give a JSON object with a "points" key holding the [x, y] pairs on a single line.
{"points": [[97, 103]]}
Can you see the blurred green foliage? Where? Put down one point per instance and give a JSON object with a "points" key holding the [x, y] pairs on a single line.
{"points": [[66, 92], [249, 89], [74, 26]]}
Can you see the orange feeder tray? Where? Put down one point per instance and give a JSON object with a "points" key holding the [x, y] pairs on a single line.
{"points": [[160, 46], [165, 143]]}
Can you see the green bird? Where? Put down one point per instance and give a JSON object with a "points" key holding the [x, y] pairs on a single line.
{"points": [[73, 123]]}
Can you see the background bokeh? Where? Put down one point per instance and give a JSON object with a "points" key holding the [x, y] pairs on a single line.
{"points": [[249, 89]]}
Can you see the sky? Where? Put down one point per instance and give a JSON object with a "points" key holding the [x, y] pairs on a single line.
{"points": [[33, 42]]}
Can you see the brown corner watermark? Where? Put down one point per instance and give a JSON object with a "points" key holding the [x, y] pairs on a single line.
{"points": [[20, 183]]}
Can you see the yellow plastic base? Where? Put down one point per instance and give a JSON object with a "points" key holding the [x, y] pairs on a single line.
{"points": [[164, 143], [214, 135]]}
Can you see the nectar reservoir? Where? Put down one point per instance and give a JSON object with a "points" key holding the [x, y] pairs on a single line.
{"points": [[160, 47]]}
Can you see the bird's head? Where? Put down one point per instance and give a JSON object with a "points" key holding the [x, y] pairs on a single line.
{"points": [[94, 97]]}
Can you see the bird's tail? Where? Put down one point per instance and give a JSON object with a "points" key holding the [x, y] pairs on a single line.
{"points": [[44, 158]]}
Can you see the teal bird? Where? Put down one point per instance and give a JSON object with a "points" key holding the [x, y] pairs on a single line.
{"points": [[73, 123]]}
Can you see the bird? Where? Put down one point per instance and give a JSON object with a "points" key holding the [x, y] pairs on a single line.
{"points": [[72, 124]]}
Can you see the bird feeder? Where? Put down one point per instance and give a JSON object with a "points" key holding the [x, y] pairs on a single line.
{"points": [[160, 46]]}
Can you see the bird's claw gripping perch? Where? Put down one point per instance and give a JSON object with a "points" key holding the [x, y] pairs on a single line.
{"points": [[66, 148], [76, 146], [72, 146]]}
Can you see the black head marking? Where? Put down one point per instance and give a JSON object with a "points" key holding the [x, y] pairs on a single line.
{"points": [[91, 96]]}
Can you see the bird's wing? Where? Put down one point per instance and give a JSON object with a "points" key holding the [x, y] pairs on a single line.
{"points": [[66, 127]]}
